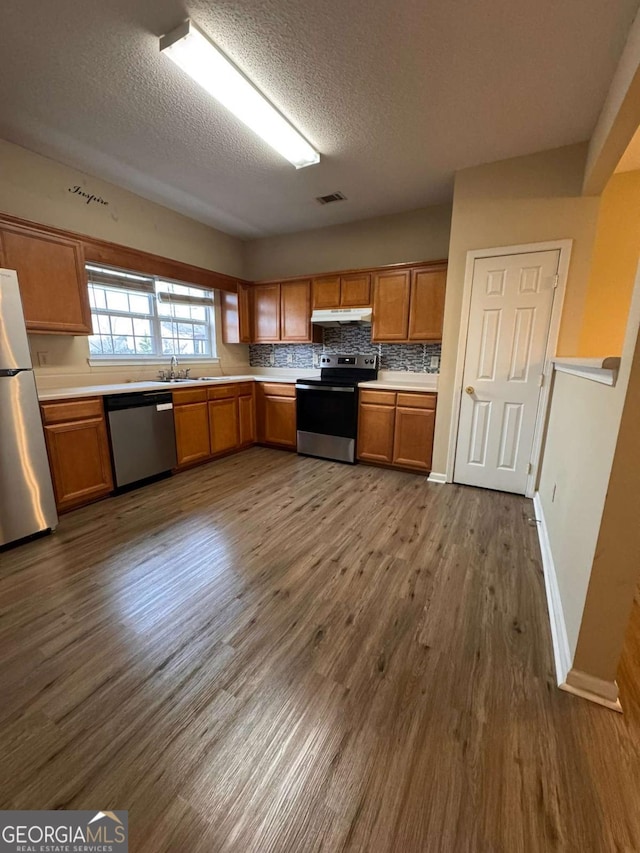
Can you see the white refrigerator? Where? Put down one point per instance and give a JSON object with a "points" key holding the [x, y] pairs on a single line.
{"points": [[27, 505]]}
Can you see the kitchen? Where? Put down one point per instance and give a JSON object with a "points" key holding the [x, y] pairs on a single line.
{"points": [[249, 596]]}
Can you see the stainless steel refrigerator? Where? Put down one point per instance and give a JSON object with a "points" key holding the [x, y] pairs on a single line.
{"points": [[27, 505]]}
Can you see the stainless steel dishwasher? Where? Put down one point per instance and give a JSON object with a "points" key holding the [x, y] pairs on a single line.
{"points": [[142, 435]]}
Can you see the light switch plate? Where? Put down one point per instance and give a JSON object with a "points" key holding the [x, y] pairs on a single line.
{"points": [[435, 361]]}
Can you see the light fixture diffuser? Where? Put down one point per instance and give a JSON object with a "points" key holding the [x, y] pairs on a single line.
{"points": [[205, 63]]}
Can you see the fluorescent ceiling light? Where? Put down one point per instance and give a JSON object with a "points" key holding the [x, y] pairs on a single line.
{"points": [[192, 51]]}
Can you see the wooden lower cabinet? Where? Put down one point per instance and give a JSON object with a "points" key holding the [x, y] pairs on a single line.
{"points": [[277, 414], [224, 432], [192, 432], [247, 419], [396, 428], [78, 447], [375, 432], [413, 438]]}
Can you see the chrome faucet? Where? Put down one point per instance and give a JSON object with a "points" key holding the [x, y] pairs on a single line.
{"points": [[174, 365]]}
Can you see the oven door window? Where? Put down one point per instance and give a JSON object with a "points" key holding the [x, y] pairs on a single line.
{"points": [[328, 412]]}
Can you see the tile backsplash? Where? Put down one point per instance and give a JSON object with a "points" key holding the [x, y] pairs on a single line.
{"points": [[349, 340]]}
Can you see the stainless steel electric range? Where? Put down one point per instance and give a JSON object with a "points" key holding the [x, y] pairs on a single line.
{"points": [[327, 408]]}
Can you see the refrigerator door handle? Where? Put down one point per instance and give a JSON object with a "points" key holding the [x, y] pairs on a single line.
{"points": [[14, 371]]}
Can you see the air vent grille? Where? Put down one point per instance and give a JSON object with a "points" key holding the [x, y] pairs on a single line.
{"points": [[328, 199]]}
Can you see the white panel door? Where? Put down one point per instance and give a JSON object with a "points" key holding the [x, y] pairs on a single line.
{"points": [[511, 300]]}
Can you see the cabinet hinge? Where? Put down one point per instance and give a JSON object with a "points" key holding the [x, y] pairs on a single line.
{"points": [[555, 281], [530, 468], [541, 380]]}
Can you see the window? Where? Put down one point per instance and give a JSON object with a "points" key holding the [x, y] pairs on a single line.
{"points": [[136, 316]]}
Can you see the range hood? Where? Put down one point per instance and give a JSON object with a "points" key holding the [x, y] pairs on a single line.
{"points": [[333, 317]]}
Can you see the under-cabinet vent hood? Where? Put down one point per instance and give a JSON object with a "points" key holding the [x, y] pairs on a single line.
{"points": [[341, 316]]}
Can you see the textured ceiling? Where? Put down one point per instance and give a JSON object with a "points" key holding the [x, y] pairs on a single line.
{"points": [[396, 96]]}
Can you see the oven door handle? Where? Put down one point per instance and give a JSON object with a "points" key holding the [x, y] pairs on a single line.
{"points": [[341, 388]]}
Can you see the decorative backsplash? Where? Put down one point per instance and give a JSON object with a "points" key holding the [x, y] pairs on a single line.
{"points": [[349, 340]]}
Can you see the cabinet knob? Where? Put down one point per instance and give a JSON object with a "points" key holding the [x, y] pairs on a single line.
{"points": [[470, 389]]}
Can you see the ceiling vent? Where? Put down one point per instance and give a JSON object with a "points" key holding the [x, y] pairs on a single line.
{"points": [[327, 199]]}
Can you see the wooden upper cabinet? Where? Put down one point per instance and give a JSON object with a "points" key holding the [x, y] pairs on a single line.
{"points": [[427, 304], [245, 313], [236, 315], [326, 292], [295, 311], [391, 296], [346, 291], [52, 279], [266, 312], [355, 290], [230, 317]]}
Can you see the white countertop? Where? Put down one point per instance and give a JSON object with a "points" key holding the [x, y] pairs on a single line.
{"points": [[414, 382], [401, 385], [132, 387]]}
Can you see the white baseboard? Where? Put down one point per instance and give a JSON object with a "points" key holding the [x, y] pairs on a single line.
{"points": [[437, 478], [561, 651], [594, 689]]}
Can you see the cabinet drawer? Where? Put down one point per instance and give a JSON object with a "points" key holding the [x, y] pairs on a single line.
{"points": [[72, 410], [219, 392], [278, 389], [190, 395], [244, 388], [381, 398], [417, 401]]}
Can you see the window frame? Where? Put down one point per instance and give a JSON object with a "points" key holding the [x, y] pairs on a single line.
{"points": [[150, 286]]}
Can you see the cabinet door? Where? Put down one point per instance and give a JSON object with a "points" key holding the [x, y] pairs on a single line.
{"points": [[224, 434], [391, 294], [192, 433], [295, 311], [245, 313], [355, 290], [280, 421], [375, 432], [427, 304], [266, 307], [80, 461], [52, 279], [247, 418], [230, 317], [326, 292], [413, 442]]}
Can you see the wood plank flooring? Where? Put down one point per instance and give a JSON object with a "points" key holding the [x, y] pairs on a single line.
{"points": [[273, 654]]}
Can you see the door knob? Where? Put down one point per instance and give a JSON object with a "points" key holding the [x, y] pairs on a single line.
{"points": [[470, 389]]}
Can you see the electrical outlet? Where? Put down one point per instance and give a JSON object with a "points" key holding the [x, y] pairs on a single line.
{"points": [[435, 361], [272, 359], [289, 359], [43, 359]]}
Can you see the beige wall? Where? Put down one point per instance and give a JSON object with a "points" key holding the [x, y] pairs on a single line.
{"points": [[37, 188], [417, 235], [595, 555], [524, 200]]}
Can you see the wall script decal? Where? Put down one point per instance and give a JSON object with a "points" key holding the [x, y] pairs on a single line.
{"points": [[77, 190]]}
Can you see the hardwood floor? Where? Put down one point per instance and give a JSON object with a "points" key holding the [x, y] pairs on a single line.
{"points": [[277, 654]]}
